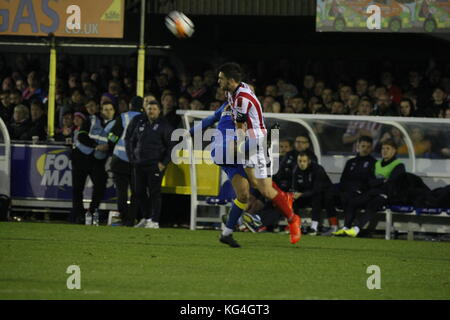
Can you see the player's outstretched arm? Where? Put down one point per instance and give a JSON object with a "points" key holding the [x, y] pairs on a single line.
{"points": [[209, 121]]}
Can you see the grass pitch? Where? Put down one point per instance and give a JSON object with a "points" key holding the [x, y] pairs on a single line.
{"points": [[177, 264]]}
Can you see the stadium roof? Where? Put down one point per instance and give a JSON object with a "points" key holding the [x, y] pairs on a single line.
{"points": [[230, 7]]}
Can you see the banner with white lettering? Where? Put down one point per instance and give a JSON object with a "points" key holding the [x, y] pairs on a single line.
{"points": [[45, 172], [63, 18], [418, 16]]}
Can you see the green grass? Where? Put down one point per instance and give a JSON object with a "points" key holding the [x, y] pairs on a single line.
{"points": [[176, 264]]}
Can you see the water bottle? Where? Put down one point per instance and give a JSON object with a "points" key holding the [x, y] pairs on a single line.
{"points": [[88, 218], [95, 218]]}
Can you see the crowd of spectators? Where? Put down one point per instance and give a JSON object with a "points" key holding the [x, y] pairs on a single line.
{"points": [[24, 98]]}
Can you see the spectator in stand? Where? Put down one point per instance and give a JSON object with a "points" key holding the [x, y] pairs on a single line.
{"points": [[393, 91], [15, 97], [318, 88], [384, 106], [185, 82], [38, 121], [8, 84], [362, 87], [308, 86], [422, 146], [344, 93], [272, 91], [337, 107], [18, 130], [406, 108], [417, 87], [66, 131], [267, 103], [196, 105], [327, 98], [34, 89], [315, 106], [352, 104], [73, 81], [21, 85], [354, 181], [276, 107], [198, 90], [309, 184], [299, 105], [357, 129], [122, 105], [183, 102], [439, 103], [114, 89], [169, 110], [75, 104]]}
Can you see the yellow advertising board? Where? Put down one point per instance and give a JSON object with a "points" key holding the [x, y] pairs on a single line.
{"points": [[63, 18]]}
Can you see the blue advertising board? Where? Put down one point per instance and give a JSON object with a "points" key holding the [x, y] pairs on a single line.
{"points": [[44, 172]]}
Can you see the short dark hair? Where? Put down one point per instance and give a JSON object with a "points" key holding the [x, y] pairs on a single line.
{"points": [[231, 70], [136, 103], [154, 102], [365, 139], [304, 154], [389, 142]]}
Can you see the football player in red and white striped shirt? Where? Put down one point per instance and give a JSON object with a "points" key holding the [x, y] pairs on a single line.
{"points": [[249, 121]]}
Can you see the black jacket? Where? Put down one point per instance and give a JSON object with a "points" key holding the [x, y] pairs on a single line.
{"points": [[311, 181], [38, 128], [357, 173], [148, 143], [19, 131], [283, 177]]}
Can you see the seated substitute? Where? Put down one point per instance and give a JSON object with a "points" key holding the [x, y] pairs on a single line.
{"points": [[381, 190], [358, 171], [310, 182]]}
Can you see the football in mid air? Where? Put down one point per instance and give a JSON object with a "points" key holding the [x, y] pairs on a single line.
{"points": [[180, 25]]}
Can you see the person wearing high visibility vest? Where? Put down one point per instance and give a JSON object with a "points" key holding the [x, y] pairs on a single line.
{"points": [[120, 163], [386, 170], [89, 155]]}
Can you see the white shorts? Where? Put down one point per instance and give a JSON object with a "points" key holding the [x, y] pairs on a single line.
{"points": [[259, 158]]}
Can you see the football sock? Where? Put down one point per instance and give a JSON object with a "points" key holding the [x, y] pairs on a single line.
{"points": [[314, 225], [356, 229], [235, 213], [333, 221], [281, 202]]}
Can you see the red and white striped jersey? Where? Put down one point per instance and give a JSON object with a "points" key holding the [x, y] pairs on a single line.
{"points": [[244, 101]]}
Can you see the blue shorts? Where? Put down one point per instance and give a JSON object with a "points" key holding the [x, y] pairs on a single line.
{"points": [[232, 170]]}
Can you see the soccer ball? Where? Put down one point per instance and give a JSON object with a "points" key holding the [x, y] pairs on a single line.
{"points": [[180, 25]]}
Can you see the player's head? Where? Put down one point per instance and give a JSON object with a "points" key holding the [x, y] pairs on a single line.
{"points": [[388, 149], [303, 160], [285, 146], [365, 144], [230, 75]]}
